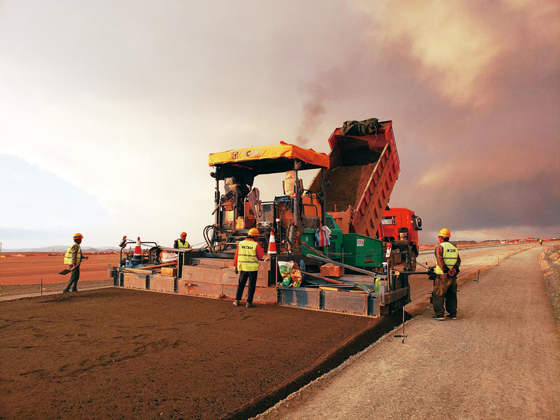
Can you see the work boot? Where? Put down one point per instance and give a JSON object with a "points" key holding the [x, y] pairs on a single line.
{"points": [[65, 291], [452, 316], [250, 305], [438, 318], [235, 303]]}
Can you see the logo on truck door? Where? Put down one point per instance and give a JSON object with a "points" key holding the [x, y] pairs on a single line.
{"points": [[360, 242]]}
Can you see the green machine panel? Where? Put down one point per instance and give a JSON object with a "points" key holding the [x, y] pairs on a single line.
{"points": [[362, 251]]}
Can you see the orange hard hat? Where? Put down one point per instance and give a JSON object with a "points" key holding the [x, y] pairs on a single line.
{"points": [[78, 235], [183, 233], [444, 233], [253, 232]]}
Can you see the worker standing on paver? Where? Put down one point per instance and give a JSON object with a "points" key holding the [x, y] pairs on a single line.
{"points": [[445, 284], [182, 242], [246, 262], [73, 258]]}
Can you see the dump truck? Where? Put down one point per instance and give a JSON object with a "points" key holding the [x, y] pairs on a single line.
{"points": [[346, 201], [364, 167]]}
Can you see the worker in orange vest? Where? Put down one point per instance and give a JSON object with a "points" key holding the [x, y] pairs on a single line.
{"points": [[445, 284], [73, 258], [246, 263]]}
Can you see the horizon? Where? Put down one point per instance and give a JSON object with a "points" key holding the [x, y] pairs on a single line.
{"points": [[130, 247]]}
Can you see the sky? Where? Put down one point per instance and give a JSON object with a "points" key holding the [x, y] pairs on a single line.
{"points": [[109, 109]]}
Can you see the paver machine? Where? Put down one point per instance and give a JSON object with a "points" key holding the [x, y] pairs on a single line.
{"points": [[345, 202], [358, 175]]}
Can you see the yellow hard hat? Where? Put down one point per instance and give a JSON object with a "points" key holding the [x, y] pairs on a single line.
{"points": [[78, 235], [253, 232], [444, 233]]}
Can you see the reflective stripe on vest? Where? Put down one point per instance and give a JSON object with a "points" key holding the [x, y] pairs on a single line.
{"points": [[182, 245], [247, 259], [450, 254], [68, 255]]}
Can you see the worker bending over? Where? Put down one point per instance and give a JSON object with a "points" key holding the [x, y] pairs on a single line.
{"points": [[246, 262], [182, 242], [445, 284], [73, 258]]}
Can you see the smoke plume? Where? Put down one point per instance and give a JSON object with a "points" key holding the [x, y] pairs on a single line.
{"points": [[313, 112]]}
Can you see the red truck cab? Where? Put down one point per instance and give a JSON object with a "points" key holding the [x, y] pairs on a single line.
{"points": [[400, 226]]}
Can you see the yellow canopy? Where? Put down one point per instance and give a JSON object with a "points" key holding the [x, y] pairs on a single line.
{"points": [[270, 159]]}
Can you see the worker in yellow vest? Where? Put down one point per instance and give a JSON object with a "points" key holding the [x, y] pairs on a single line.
{"points": [[246, 263], [182, 242], [445, 284], [73, 258]]}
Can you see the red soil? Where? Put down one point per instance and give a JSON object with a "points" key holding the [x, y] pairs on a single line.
{"points": [[29, 268]]}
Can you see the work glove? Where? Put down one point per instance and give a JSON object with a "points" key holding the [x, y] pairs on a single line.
{"points": [[452, 272], [236, 270]]}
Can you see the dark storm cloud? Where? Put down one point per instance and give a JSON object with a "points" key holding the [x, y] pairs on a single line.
{"points": [[486, 157]]}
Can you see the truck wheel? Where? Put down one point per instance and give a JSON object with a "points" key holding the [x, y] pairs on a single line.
{"points": [[410, 261]]}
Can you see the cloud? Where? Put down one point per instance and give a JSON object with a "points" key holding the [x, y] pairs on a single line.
{"points": [[454, 46]]}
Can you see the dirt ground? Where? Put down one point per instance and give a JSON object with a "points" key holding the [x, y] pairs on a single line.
{"points": [[117, 353], [474, 260], [550, 264], [29, 268], [499, 359]]}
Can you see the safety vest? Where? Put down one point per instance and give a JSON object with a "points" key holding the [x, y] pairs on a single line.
{"points": [[450, 254], [182, 245], [68, 255], [247, 259]]}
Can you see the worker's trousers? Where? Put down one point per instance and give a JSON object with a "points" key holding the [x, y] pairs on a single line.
{"points": [[73, 282], [243, 277], [445, 292]]}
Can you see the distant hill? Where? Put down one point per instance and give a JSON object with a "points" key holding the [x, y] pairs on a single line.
{"points": [[63, 248]]}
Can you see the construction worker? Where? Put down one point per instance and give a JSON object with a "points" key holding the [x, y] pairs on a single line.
{"points": [[445, 284], [73, 258], [246, 263], [182, 242]]}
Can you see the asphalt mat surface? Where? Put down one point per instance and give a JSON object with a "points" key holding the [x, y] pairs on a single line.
{"points": [[115, 353]]}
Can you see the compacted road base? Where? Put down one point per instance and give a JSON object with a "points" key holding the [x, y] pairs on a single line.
{"points": [[500, 359]]}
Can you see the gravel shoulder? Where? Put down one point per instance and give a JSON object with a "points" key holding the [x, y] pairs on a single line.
{"points": [[500, 359], [550, 264]]}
